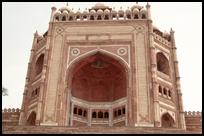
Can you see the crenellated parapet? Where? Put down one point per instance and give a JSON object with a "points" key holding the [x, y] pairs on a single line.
{"points": [[99, 12], [10, 116], [9, 110], [193, 121], [193, 114]]}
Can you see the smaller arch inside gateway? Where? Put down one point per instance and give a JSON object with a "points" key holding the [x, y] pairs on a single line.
{"points": [[99, 78]]}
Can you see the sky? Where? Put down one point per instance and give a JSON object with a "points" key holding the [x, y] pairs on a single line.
{"points": [[21, 20]]}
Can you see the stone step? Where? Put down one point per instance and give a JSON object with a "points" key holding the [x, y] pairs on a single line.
{"points": [[89, 130]]}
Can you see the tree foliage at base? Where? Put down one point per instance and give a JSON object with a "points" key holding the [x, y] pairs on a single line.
{"points": [[4, 91]]}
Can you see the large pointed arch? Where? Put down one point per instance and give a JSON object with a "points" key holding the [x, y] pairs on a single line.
{"points": [[69, 75]]}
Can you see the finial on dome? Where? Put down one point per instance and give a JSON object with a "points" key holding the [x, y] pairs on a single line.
{"points": [[120, 7], [136, 2], [36, 33], [67, 4], [148, 5], [171, 30]]}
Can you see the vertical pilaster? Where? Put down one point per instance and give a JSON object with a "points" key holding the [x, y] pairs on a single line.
{"points": [[178, 88], [154, 76]]}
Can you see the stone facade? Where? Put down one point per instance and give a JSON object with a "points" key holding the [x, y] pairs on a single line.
{"points": [[103, 67]]}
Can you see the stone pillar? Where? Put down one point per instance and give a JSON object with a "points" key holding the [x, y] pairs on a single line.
{"points": [[71, 116], [148, 11], [89, 116], [111, 116], [52, 14], [178, 88]]}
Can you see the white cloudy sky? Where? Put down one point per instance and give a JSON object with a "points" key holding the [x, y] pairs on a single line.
{"points": [[21, 20]]}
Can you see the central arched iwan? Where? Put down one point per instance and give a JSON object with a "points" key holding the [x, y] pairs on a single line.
{"points": [[98, 78]]}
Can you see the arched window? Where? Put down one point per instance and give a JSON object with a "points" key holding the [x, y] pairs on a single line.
{"points": [[57, 18], [169, 93], [75, 110], [63, 18], [79, 111], [167, 121], [165, 91], [77, 17], [85, 17], [39, 64], [123, 110], [136, 16], [106, 115], [91, 17], [84, 113], [143, 16], [114, 17], [70, 18], [128, 16], [94, 114], [106, 17], [99, 17], [100, 114], [119, 112], [160, 89], [115, 114], [162, 63]]}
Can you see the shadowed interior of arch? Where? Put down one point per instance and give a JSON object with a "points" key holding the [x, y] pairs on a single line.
{"points": [[167, 120], [31, 119], [99, 78]]}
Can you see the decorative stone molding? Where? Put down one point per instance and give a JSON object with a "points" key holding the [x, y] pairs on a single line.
{"points": [[75, 52]]}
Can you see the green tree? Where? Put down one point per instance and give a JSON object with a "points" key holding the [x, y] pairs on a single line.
{"points": [[4, 91]]}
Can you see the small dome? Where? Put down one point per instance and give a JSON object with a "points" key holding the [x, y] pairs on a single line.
{"points": [[65, 8], [71, 12], [106, 11], [99, 6], [121, 11], [136, 10], [57, 12], [114, 11], [65, 12], [136, 6], [143, 11], [128, 10], [78, 12], [156, 28], [92, 11], [165, 34], [100, 11], [85, 12]]}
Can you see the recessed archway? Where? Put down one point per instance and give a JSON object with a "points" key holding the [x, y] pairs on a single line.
{"points": [[167, 121], [31, 119], [99, 78], [162, 63]]}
